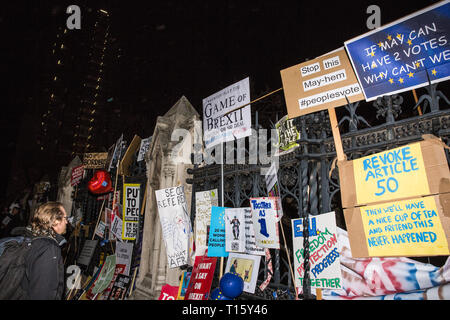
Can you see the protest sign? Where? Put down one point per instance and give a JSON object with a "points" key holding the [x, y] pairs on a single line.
{"points": [[250, 240], [216, 241], [184, 282], [287, 136], [117, 153], [143, 148], [413, 227], [105, 277], [116, 226], [124, 252], [95, 160], [100, 230], [120, 287], [320, 84], [201, 278], [107, 292], [398, 56], [325, 270], [223, 119], [175, 224], [234, 230], [273, 189], [77, 175], [246, 266], [131, 210], [203, 202], [87, 252], [168, 292], [412, 170], [264, 215], [129, 156]]}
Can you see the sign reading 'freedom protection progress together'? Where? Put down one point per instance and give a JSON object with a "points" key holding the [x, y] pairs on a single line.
{"points": [[398, 56]]}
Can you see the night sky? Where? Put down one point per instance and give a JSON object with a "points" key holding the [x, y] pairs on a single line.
{"points": [[191, 48]]}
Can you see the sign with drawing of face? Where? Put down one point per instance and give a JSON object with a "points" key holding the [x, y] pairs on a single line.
{"points": [[175, 224]]}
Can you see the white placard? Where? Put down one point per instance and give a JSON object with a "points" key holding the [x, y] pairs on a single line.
{"points": [[124, 252], [223, 119], [145, 144], [234, 230], [264, 215], [325, 266], [204, 200], [175, 224]]}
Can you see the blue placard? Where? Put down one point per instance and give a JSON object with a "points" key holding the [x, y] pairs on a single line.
{"points": [[216, 239], [398, 56]]}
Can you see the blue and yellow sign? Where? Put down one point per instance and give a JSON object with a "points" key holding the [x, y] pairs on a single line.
{"points": [[405, 54]]}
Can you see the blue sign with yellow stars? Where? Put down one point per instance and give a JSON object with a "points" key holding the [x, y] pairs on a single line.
{"points": [[404, 54]]}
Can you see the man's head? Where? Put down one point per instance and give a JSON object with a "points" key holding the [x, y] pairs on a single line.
{"points": [[50, 218]]}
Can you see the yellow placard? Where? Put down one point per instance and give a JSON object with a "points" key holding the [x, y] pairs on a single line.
{"points": [[404, 228], [393, 174]]}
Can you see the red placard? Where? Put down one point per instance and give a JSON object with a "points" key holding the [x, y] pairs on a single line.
{"points": [[201, 278], [168, 292], [77, 175]]}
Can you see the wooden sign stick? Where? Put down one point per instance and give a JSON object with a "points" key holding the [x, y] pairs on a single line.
{"points": [[415, 99], [336, 135]]}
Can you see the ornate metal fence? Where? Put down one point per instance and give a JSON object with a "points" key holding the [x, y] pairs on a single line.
{"points": [[309, 180]]}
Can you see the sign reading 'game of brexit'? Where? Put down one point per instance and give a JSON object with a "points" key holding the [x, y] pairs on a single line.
{"points": [[223, 118], [319, 84], [404, 54]]}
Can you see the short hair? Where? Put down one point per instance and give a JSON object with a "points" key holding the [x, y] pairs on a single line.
{"points": [[45, 217]]}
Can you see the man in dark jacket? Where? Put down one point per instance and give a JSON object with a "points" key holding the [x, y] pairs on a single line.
{"points": [[45, 268]]}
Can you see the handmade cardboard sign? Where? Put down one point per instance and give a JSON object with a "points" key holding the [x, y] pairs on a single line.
{"points": [[414, 227], [223, 118], [247, 267], [95, 160], [325, 270], [404, 54], [129, 156], [131, 210], [201, 278], [412, 170], [234, 230], [175, 224], [287, 136], [204, 200], [320, 84], [264, 215], [216, 241]]}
